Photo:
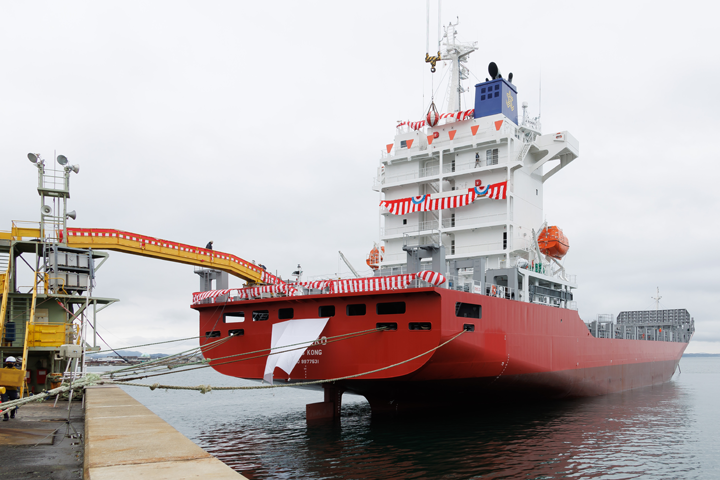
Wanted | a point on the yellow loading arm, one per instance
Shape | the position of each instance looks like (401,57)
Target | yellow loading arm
(18,232)
(117,240)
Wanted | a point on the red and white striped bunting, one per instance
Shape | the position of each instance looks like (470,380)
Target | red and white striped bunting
(256,291)
(249,292)
(200,296)
(457,116)
(370,284)
(425,203)
(271,279)
(316,285)
(498,191)
(433,278)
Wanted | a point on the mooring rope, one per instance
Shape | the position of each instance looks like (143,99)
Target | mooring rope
(206,361)
(86,381)
(162,361)
(95,379)
(208,388)
(146,345)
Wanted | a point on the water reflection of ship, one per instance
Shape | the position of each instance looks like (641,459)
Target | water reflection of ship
(624,433)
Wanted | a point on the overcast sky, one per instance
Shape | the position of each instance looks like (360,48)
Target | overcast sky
(259,125)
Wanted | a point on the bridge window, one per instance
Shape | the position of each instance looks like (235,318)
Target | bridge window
(286,313)
(468,310)
(392,308)
(260,315)
(356,310)
(326,311)
(234,317)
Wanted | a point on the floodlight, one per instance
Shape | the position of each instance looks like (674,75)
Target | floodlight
(33,157)
(72,215)
(62,159)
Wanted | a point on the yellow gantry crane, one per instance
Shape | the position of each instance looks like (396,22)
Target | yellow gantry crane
(136,244)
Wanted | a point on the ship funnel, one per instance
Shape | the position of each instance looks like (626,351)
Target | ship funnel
(494,71)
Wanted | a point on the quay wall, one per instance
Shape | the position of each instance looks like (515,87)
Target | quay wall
(124,439)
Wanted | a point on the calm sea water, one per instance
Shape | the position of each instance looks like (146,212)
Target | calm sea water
(668,431)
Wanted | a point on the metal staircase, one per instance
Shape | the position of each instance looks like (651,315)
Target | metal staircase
(524,152)
(4,291)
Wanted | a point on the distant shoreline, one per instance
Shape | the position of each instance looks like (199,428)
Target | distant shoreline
(701,354)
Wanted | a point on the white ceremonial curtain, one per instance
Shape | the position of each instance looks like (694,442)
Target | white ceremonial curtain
(304,332)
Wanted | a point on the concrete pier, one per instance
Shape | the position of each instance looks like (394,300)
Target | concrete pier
(124,439)
(43,442)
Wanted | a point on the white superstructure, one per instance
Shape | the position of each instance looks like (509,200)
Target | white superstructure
(454,156)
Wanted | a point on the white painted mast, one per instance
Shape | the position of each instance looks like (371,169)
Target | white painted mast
(457,54)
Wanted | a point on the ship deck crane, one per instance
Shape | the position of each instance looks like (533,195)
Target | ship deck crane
(347,262)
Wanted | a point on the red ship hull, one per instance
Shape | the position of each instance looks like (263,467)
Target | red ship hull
(517,349)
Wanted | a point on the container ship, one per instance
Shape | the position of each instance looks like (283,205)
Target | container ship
(469,300)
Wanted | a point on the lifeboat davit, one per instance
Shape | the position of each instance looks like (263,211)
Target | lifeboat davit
(553,242)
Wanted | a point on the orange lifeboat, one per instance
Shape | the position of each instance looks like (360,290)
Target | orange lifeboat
(375,257)
(553,243)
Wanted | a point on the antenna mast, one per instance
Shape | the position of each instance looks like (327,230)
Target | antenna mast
(657,298)
(457,53)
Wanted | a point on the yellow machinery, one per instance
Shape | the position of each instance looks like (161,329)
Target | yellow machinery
(108,239)
(63,271)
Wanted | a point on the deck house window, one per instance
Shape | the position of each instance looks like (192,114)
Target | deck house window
(260,315)
(234,317)
(356,310)
(391,308)
(491,156)
(468,310)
